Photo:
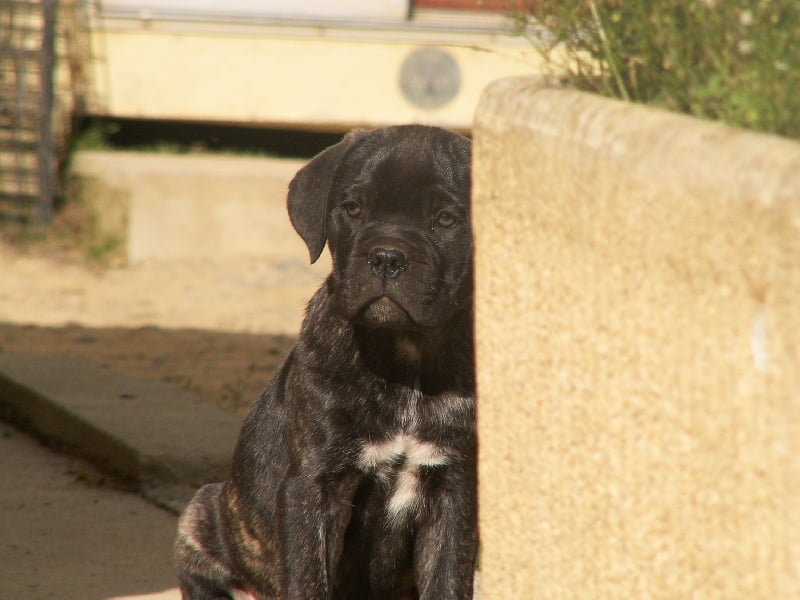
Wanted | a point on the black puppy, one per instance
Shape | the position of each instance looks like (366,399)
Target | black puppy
(354,475)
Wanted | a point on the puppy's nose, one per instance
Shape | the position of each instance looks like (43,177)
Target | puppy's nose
(387,263)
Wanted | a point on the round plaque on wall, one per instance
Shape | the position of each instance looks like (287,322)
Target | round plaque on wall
(429,78)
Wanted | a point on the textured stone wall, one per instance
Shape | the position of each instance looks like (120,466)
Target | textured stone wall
(638,326)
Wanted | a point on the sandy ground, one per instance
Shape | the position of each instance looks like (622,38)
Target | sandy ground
(250,294)
(217,328)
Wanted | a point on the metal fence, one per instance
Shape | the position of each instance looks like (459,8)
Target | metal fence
(28,161)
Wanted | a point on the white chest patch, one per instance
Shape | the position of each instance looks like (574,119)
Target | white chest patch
(404,455)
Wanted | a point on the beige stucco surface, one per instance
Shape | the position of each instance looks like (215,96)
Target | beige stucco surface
(638,327)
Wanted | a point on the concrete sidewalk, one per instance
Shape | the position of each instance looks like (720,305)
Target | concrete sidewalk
(69,534)
(97,519)
(69,529)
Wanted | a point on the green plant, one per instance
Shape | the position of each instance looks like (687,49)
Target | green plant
(736,61)
(103,250)
(95,135)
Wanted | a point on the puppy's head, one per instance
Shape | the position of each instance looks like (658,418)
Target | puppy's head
(393,205)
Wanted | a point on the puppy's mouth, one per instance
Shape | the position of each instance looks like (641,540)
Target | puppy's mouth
(385,312)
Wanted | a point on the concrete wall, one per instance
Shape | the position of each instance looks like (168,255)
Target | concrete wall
(638,325)
(197,206)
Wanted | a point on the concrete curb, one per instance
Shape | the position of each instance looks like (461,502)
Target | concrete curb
(156,437)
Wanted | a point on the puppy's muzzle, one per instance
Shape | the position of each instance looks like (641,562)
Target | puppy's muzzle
(387,263)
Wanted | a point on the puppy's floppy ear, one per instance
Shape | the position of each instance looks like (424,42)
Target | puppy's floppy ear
(309,199)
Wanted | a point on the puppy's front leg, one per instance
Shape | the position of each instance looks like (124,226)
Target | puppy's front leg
(304,540)
(315,520)
(446,546)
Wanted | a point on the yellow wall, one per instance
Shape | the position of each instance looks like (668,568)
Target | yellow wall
(291,76)
(638,327)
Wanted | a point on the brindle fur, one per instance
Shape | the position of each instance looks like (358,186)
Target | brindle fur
(354,475)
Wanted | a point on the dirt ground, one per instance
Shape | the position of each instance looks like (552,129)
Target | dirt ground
(216,328)
(226,369)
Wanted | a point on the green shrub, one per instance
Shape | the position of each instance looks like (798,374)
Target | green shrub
(736,61)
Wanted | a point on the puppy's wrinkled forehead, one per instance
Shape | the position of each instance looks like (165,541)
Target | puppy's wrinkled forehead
(389,166)
(397,172)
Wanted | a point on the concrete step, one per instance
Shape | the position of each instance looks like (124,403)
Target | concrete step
(165,206)
(153,435)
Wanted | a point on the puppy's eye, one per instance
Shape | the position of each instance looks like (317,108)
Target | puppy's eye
(352,208)
(446,219)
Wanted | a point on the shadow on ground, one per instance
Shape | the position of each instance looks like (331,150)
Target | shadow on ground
(228,370)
